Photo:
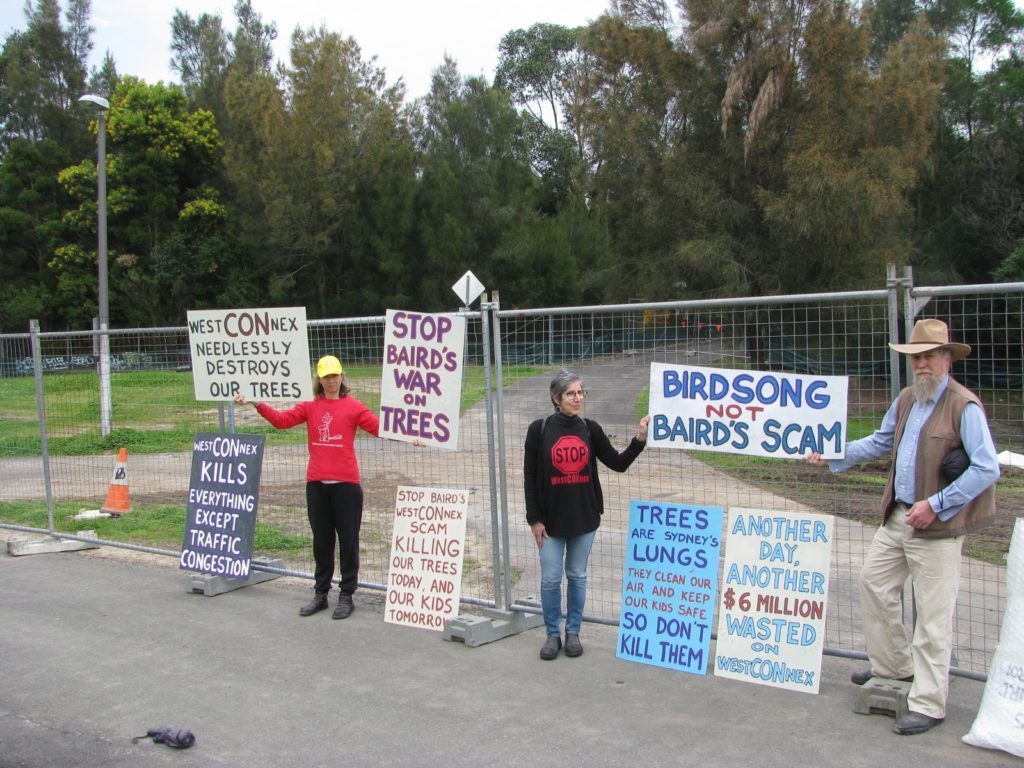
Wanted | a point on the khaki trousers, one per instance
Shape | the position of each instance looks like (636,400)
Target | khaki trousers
(933,566)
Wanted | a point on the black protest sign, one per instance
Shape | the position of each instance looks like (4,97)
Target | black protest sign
(223,496)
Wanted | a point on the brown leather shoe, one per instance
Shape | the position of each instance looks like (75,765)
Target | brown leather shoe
(318,603)
(914,722)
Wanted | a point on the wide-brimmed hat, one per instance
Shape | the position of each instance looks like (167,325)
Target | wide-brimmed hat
(931,334)
(328,365)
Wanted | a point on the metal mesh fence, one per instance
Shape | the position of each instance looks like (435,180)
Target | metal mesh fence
(989,319)
(155,416)
(612,349)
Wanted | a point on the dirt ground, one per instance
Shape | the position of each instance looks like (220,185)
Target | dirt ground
(858,497)
(858,493)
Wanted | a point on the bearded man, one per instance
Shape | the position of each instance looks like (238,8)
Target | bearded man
(933,425)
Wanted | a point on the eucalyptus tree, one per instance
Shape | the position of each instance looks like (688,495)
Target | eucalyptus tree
(42,74)
(328,161)
(540,69)
(161,157)
(200,58)
(481,206)
(824,143)
(42,129)
(971,207)
(252,41)
(641,95)
(31,204)
(104,79)
(854,154)
(535,66)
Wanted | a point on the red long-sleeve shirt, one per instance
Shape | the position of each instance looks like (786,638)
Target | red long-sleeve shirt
(331,433)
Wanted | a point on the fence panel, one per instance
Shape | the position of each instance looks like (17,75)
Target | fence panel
(989,319)
(155,416)
(844,334)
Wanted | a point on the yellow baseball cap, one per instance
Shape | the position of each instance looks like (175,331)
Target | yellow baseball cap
(328,365)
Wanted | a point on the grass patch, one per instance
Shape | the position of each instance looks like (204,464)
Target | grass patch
(270,540)
(156,411)
(159,526)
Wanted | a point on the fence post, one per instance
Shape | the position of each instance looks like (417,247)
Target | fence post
(502,468)
(500,621)
(106,405)
(486,309)
(892,284)
(551,340)
(910,310)
(37,370)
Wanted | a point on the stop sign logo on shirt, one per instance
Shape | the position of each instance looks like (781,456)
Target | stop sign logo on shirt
(569,454)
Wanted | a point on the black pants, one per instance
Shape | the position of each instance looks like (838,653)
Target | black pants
(335,512)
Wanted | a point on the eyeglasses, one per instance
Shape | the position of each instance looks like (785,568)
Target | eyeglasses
(576,395)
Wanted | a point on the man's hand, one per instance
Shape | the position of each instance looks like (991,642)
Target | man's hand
(815,460)
(921,515)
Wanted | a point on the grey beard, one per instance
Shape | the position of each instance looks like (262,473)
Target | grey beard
(924,387)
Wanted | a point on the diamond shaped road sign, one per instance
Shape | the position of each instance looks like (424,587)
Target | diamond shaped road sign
(468,288)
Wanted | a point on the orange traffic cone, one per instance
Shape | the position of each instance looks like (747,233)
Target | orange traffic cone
(117,493)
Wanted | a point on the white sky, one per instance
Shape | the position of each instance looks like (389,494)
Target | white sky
(408,37)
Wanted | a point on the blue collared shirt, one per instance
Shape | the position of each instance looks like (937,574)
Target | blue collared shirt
(974,434)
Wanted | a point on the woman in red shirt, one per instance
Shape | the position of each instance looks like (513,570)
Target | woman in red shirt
(334,497)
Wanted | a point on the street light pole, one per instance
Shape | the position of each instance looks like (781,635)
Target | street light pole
(101,226)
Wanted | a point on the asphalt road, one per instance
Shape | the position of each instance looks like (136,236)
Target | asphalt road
(97,647)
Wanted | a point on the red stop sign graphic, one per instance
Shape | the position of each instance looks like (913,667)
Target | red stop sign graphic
(569,454)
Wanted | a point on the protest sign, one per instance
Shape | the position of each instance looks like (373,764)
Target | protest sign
(425,576)
(771,625)
(223,496)
(421,380)
(261,353)
(755,413)
(669,586)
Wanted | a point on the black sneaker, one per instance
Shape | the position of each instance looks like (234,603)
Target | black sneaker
(551,647)
(344,608)
(318,603)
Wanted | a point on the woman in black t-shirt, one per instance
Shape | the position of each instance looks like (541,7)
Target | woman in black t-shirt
(564,502)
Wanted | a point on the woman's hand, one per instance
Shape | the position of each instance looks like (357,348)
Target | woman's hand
(641,430)
(539,533)
(239,399)
(814,459)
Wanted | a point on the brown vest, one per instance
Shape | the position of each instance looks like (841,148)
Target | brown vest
(940,434)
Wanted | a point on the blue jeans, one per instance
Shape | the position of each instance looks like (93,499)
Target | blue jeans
(575,551)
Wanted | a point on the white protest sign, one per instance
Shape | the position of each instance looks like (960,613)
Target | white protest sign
(784,415)
(425,576)
(771,624)
(262,353)
(421,379)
